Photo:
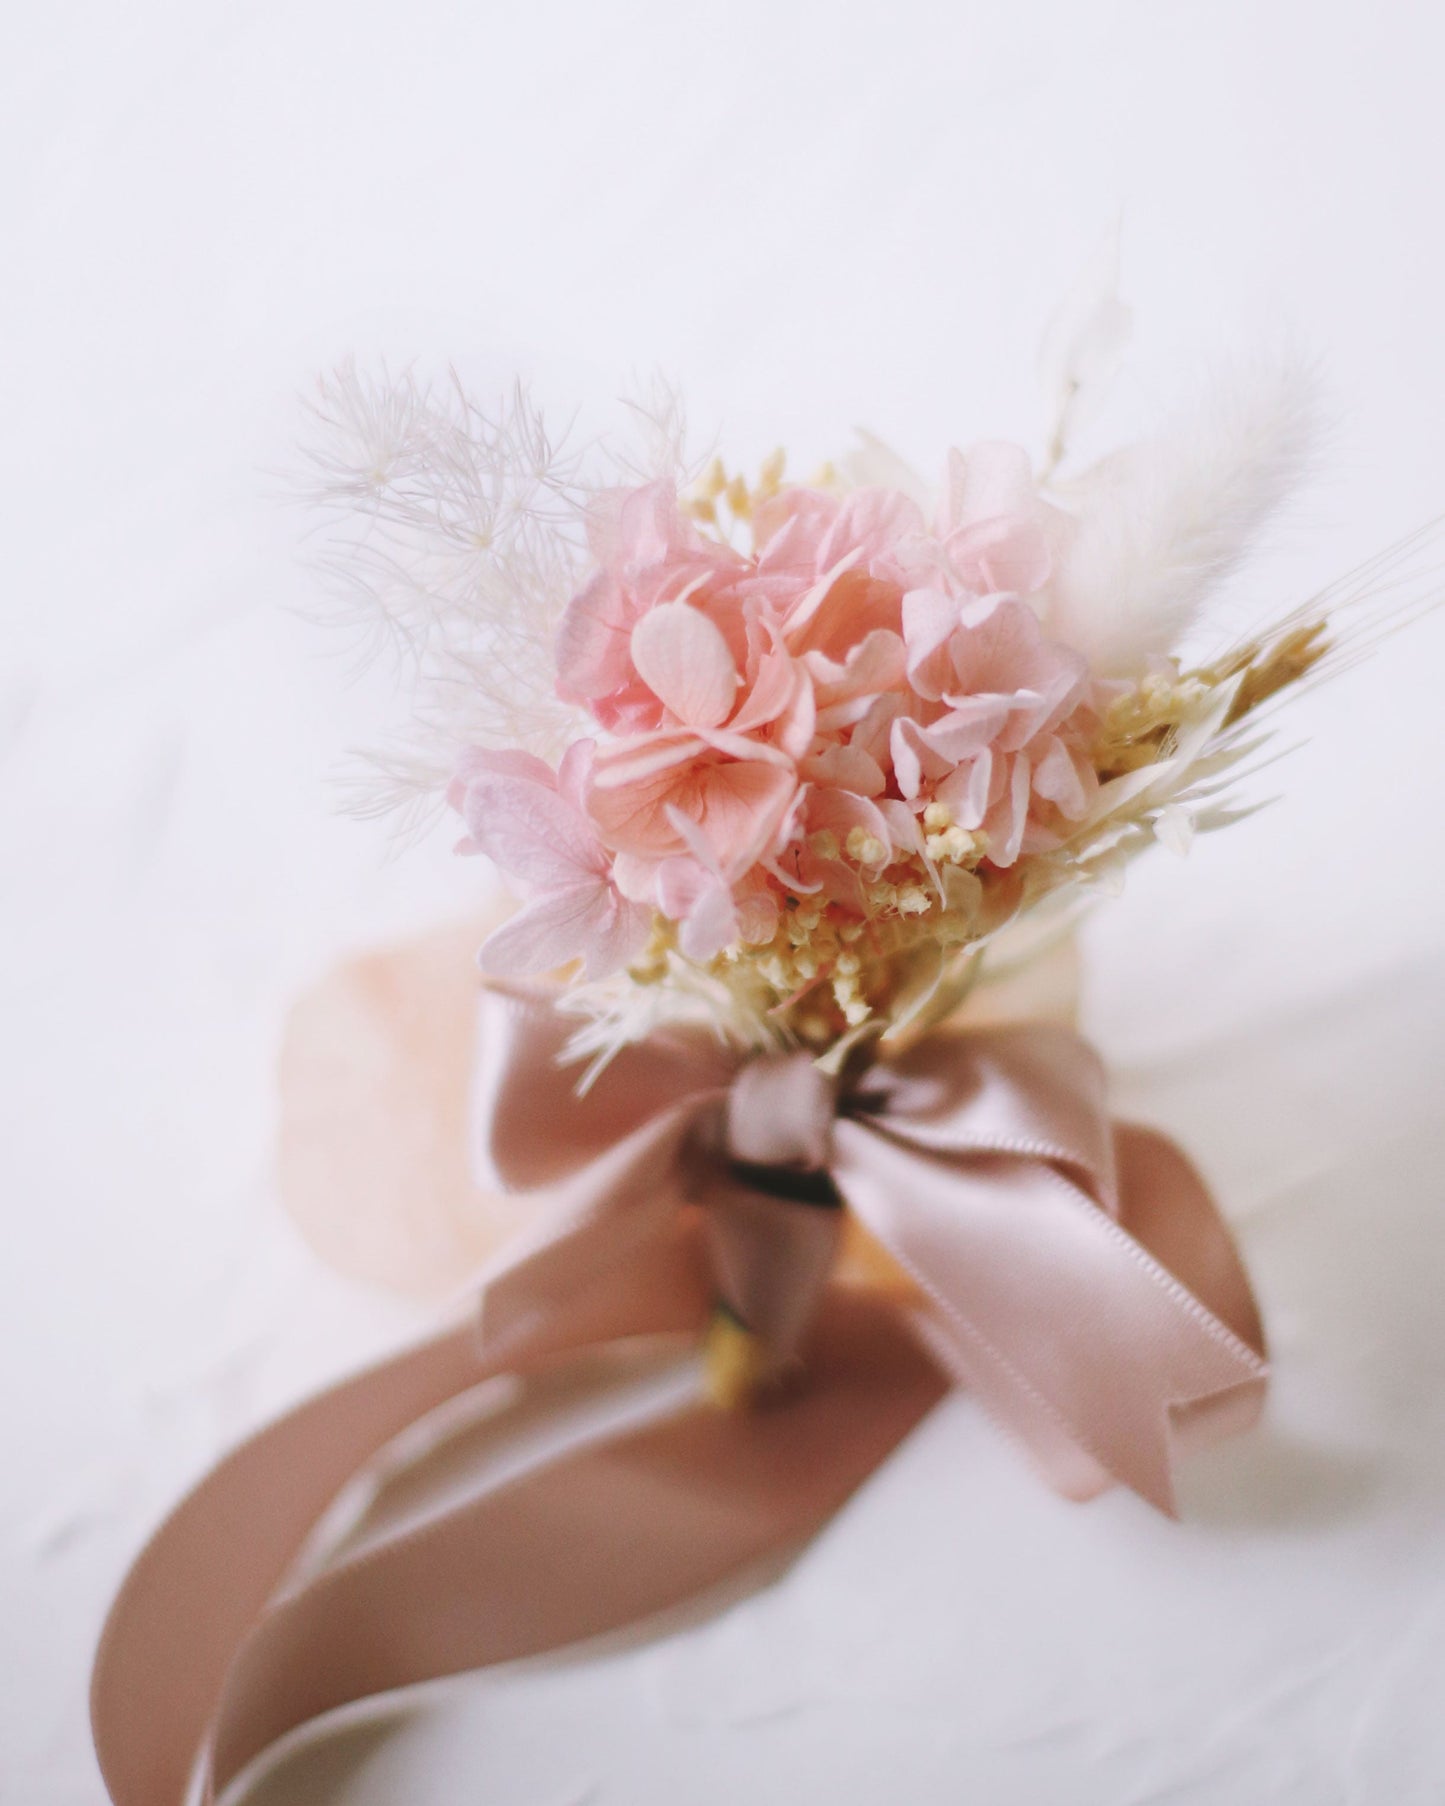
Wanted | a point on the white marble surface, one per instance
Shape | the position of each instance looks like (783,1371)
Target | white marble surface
(812,217)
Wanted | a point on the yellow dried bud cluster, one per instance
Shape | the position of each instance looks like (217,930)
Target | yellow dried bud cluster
(832,968)
(651,965)
(1137,725)
(742,498)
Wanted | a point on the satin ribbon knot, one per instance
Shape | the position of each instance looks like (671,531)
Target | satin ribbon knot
(1072,1272)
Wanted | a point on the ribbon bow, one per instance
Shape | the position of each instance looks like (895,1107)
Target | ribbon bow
(1074,1273)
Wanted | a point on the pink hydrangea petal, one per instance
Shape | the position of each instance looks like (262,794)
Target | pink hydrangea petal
(845,768)
(1007,819)
(772,690)
(638,525)
(506,762)
(968,790)
(695,892)
(578,922)
(617,934)
(641,761)
(872,732)
(834,880)
(789,528)
(843,810)
(991,479)
(679,884)
(970,725)
(592,651)
(710,924)
(531,833)
(878,662)
(870,521)
(914,756)
(684,660)
(574,774)
(1010,555)
(757,917)
(739,805)
(801,615)
(930,618)
(1003,651)
(1061,779)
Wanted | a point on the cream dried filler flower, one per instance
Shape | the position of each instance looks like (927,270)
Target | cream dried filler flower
(788,756)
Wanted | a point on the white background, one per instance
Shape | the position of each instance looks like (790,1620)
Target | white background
(812,216)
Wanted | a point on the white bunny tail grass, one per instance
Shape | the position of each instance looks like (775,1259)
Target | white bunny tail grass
(1163,523)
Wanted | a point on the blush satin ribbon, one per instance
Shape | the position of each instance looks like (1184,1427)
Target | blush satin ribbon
(1074,1273)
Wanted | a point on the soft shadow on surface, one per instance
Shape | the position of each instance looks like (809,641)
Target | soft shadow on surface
(327,1761)
(1267,1480)
(315,1767)
(1325,1124)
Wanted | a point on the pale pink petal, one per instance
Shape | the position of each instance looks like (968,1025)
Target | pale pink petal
(838,717)
(711,923)
(592,642)
(789,528)
(875,664)
(970,725)
(505,762)
(871,521)
(930,618)
(679,884)
(843,810)
(739,805)
(635,876)
(913,757)
(531,833)
(992,521)
(845,768)
(901,824)
(587,922)
(1004,554)
(800,616)
(969,790)
(771,692)
(757,917)
(641,760)
(574,773)
(684,660)
(991,479)
(1008,818)
(548,932)
(1064,780)
(872,731)
(797,724)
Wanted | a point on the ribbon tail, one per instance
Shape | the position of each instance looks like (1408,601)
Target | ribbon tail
(1073,1333)
(200,1582)
(207,1573)
(604,1536)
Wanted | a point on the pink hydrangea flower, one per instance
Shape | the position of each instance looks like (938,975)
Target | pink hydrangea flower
(777,722)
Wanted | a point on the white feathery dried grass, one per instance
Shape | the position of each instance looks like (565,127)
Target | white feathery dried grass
(1158,527)
(451,540)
